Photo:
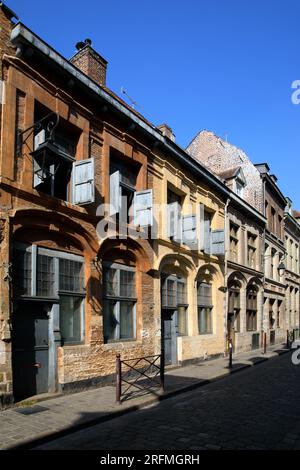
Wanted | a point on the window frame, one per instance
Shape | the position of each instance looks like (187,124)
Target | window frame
(118,299)
(207,307)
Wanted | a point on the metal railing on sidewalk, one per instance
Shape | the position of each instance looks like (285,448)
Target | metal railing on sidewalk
(143,374)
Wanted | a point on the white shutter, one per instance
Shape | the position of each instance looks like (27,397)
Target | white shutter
(143,208)
(189,231)
(83,181)
(218,242)
(201,229)
(174,221)
(114,193)
(39,138)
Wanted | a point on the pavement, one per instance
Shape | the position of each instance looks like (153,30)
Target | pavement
(36,422)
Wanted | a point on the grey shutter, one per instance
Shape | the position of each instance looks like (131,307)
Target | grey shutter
(218,242)
(202,228)
(39,138)
(207,233)
(83,181)
(143,208)
(115,193)
(174,221)
(189,230)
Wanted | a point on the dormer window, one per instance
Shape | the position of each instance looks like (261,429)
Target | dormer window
(239,188)
(239,183)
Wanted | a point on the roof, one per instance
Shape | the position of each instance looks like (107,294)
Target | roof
(228,174)
(296,214)
(8,11)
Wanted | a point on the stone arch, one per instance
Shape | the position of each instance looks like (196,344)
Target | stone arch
(128,250)
(237,278)
(34,225)
(178,264)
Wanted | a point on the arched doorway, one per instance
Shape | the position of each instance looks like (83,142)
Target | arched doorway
(234,311)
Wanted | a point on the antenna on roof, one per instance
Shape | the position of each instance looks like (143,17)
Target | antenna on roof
(133,103)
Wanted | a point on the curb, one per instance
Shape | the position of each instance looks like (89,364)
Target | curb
(116,414)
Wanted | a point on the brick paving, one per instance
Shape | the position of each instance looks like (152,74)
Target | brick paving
(256,409)
(65,413)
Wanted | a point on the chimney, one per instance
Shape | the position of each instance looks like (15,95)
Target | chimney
(90,62)
(167,131)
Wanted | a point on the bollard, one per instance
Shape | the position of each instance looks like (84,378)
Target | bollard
(119,379)
(162,370)
(294,335)
(230,353)
(287,339)
(265,342)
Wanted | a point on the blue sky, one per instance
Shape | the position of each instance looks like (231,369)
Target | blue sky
(222,65)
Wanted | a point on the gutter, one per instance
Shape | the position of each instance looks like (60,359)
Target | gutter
(21,32)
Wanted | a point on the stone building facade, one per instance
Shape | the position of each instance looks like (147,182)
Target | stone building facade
(292,271)
(245,225)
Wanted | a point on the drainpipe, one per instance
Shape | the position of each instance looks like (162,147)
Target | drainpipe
(263,258)
(226,269)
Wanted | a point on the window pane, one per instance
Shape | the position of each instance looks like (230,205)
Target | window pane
(204,294)
(70,275)
(45,276)
(205,320)
(126,320)
(181,320)
(22,272)
(110,320)
(181,293)
(127,284)
(70,319)
(111,282)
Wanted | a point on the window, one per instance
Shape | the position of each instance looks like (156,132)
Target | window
(174,297)
(279,308)
(56,275)
(296,269)
(205,307)
(239,188)
(273,220)
(273,264)
(291,260)
(234,305)
(234,242)
(251,250)
(251,309)
(271,313)
(119,303)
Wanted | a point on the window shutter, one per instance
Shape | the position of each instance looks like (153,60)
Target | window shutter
(218,242)
(115,193)
(202,228)
(207,233)
(39,138)
(143,208)
(174,221)
(189,231)
(83,181)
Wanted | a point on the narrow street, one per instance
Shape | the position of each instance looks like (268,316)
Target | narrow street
(255,409)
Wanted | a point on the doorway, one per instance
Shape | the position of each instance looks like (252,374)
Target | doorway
(169,336)
(30,350)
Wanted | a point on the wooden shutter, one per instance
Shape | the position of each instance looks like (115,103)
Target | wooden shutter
(189,231)
(143,208)
(83,181)
(115,193)
(218,242)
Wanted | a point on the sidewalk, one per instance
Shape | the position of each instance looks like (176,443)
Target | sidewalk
(23,427)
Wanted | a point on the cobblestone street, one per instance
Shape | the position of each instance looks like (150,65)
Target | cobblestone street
(255,409)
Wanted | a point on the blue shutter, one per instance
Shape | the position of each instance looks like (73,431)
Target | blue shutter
(143,208)
(83,181)
(201,228)
(189,231)
(115,193)
(218,242)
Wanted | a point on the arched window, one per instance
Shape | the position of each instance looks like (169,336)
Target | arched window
(205,306)
(119,302)
(251,309)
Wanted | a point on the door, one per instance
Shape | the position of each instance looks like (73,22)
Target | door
(30,350)
(169,336)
